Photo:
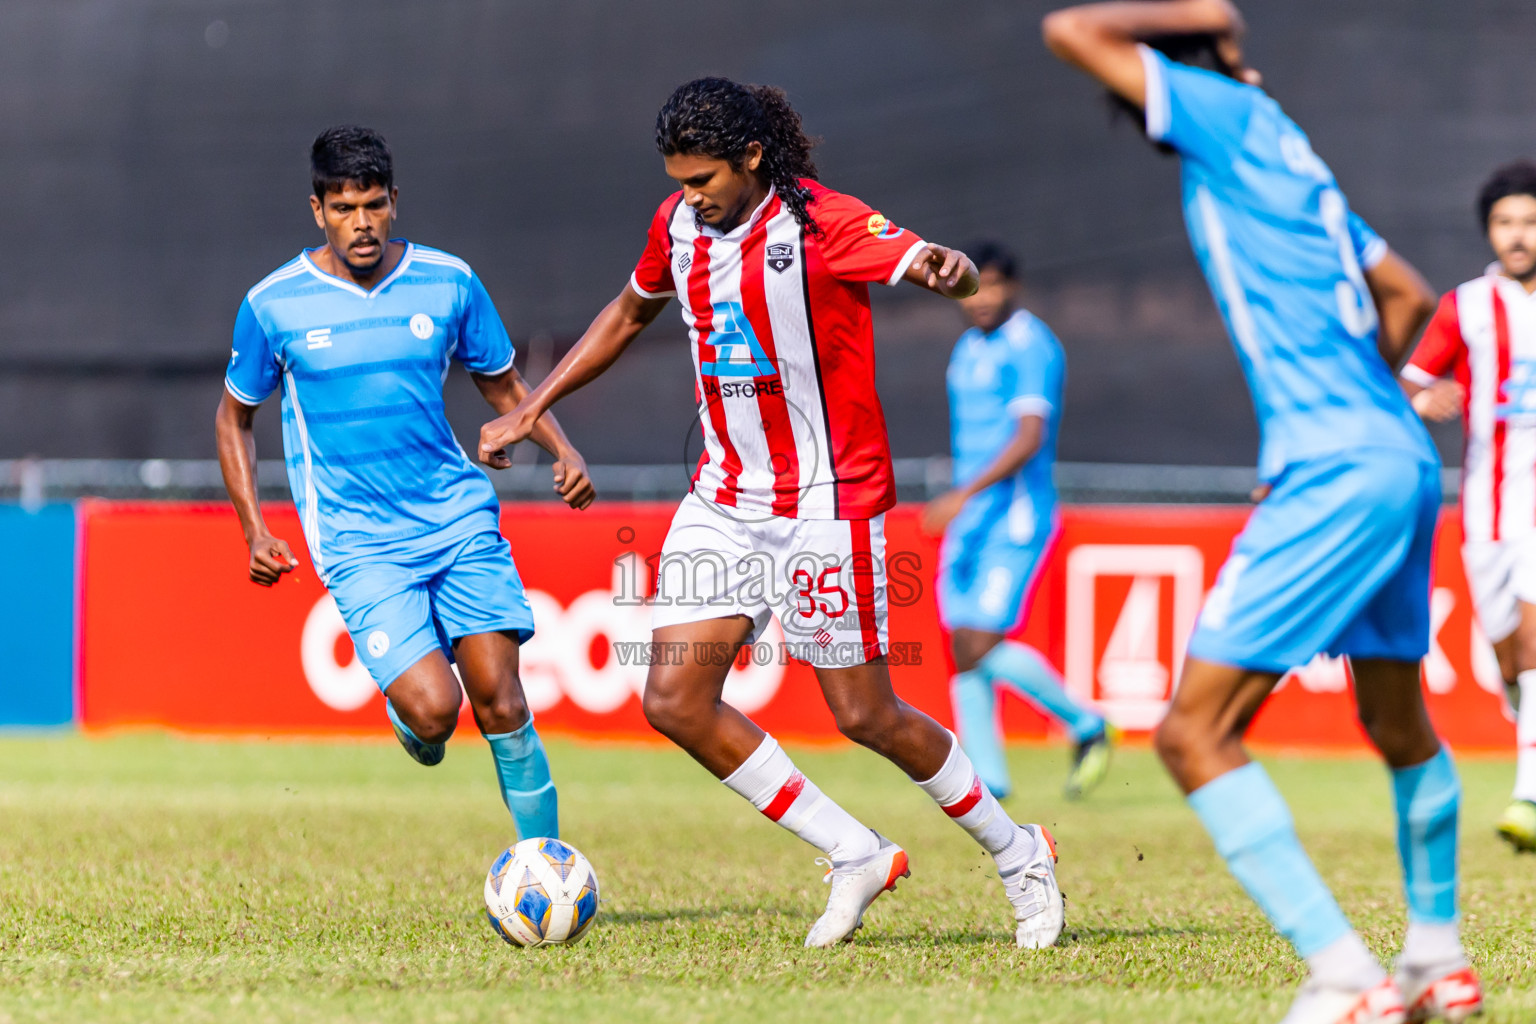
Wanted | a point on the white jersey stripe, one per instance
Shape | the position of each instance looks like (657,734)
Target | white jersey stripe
(1474,307)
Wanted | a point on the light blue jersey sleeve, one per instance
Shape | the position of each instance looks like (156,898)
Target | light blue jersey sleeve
(484,346)
(1370,248)
(1032,393)
(253,372)
(1200,113)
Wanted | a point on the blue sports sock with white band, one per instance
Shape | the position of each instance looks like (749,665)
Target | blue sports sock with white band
(522,769)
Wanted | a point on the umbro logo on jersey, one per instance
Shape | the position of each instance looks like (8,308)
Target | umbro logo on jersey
(320,337)
(684,262)
(781,256)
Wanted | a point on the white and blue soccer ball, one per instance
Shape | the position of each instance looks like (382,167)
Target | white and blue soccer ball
(541,892)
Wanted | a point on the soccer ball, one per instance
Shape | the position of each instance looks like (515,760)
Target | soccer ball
(541,892)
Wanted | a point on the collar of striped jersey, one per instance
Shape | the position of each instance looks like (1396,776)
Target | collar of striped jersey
(405,259)
(1495,270)
(740,230)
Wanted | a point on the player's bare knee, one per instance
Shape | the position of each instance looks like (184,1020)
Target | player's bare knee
(432,720)
(867,725)
(669,713)
(506,711)
(1176,741)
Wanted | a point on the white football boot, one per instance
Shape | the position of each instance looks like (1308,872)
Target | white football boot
(1316,1004)
(1449,992)
(1039,910)
(854,887)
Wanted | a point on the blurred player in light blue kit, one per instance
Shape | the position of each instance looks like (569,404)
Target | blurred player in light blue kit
(1000,523)
(402,528)
(1336,558)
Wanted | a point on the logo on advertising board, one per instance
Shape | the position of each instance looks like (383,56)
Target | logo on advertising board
(1130,610)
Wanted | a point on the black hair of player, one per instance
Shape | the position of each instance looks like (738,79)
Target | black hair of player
(998,257)
(1513,179)
(350,154)
(1198,50)
(718,118)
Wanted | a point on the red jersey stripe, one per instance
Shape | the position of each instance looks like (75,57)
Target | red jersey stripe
(1501,339)
(771,403)
(864,587)
(703,323)
(784,797)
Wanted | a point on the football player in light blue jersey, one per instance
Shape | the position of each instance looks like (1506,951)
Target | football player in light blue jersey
(402,528)
(1000,522)
(1336,559)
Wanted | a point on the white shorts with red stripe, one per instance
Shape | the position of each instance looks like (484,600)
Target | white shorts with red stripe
(824,579)
(1501,575)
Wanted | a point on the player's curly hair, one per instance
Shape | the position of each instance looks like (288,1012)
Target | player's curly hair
(718,118)
(1513,179)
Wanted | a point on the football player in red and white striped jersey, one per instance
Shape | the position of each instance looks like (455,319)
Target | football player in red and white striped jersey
(786,515)
(1478,360)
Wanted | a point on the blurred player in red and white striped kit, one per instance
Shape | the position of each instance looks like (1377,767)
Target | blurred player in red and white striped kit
(1477,360)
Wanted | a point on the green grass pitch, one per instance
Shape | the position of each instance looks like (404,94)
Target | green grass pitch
(144,878)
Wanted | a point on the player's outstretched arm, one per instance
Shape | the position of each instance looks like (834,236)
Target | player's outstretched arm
(1019,450)
(943,271)
(1404,303)
(270,557)
(1101,38)
(620,323)
(503,391)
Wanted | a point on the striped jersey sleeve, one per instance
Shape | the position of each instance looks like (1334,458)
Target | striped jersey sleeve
(1441,347)
(652,277)
(858,243)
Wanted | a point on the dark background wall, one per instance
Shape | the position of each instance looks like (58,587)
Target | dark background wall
(152,164)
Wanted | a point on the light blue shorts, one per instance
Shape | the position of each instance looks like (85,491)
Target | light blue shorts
(1336,560)
(400,611)
(986,578)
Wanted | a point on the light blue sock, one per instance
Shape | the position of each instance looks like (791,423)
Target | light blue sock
(1428,798)
(1024,671)
(1253,831)
(522,768)
(976,720)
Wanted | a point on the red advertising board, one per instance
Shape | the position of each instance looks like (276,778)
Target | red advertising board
(174,634)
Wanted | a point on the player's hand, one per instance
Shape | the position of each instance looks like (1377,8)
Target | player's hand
(1441,401)
(1229,43)
(270,558)
(938,513)
(949,272)
(571,480)
(503,431)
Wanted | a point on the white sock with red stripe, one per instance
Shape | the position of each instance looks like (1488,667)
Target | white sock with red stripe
(771,782)
(1525,736)
(959,791)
